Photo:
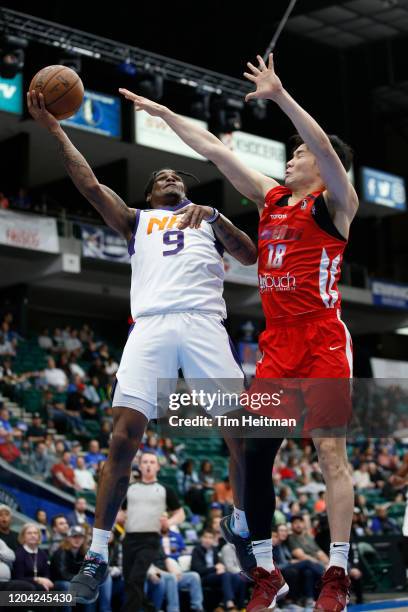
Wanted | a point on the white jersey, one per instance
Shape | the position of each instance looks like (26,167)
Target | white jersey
(174,270)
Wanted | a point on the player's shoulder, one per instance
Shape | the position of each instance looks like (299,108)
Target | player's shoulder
(275,193)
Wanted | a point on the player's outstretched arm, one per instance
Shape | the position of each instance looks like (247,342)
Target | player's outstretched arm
(250,183)
(269,87)
(112,208)
(236,242)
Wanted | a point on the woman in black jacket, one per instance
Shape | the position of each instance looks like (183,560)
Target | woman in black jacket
(31,563)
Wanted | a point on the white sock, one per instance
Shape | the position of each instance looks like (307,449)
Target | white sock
(263,554)
(239,523)
(100,539)
(339,552)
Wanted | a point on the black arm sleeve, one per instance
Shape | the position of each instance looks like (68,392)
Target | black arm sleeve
(172,501)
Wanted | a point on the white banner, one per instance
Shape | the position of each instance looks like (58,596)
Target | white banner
(154,132)
(236,272)
(29,232)
(262,154)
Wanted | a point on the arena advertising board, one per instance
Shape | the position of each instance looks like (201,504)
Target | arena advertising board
(29,232)
(393,295)
(103,243)
(99,113)
(383,188)
(11,99)
(155,133)
(262,154)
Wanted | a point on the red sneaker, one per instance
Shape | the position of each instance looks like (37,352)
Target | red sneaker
(269,587)
(335,593)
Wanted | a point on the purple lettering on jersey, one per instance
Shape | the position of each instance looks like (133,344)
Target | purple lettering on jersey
(173,238)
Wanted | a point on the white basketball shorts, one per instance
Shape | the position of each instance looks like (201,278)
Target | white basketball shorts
(159,345)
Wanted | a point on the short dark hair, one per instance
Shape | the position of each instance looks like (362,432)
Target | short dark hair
(343,150)
(56,517)
(207,530)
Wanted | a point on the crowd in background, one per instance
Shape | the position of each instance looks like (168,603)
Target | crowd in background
(66,442)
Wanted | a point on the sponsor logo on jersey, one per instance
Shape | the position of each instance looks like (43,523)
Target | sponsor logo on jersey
(313,209)
(303,205)
(278,216)
(281,232)
(268,282)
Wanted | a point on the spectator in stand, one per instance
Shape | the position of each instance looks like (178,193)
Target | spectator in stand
(55,377)
(42,519)
(22,200)
(359,525)
(45,341)
(83,476)
(85,334)
(6,534)
(76,452)
(31,562)
(377,476)
(7,558)
(78,515)
(223,494)
(169,451)
(11,382)
(91,353)
(58,340)
(205,561)
(36,432)
(72,342)
(166,579)
(59,530)
(190,487)
(104,353)
(74,367)
(63,474)
(111,366)
(6,427)
(381,523)
(320,503)
(206,475)
(361,477)
(41,462)
(97,369)
(9,451)
(94,455)
(92,391)
(4,202)
(105,433)
(7,348)
(302,545)
(172,541)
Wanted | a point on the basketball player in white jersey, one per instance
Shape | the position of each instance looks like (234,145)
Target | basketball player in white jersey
(177,309)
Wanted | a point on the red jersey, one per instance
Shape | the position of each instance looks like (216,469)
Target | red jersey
(300,255)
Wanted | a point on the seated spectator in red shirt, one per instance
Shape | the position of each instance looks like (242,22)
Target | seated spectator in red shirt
(4,203)
(9,451)
(63,475)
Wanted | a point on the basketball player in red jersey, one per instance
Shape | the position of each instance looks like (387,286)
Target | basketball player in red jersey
(304,228)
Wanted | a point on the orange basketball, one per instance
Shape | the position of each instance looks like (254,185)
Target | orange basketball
(62,88)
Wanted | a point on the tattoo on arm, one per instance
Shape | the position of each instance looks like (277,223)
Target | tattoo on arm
(76,165)
(236,242)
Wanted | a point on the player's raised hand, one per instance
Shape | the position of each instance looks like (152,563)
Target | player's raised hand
(267,82)
(140,103)
(36,108)
(192,215)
